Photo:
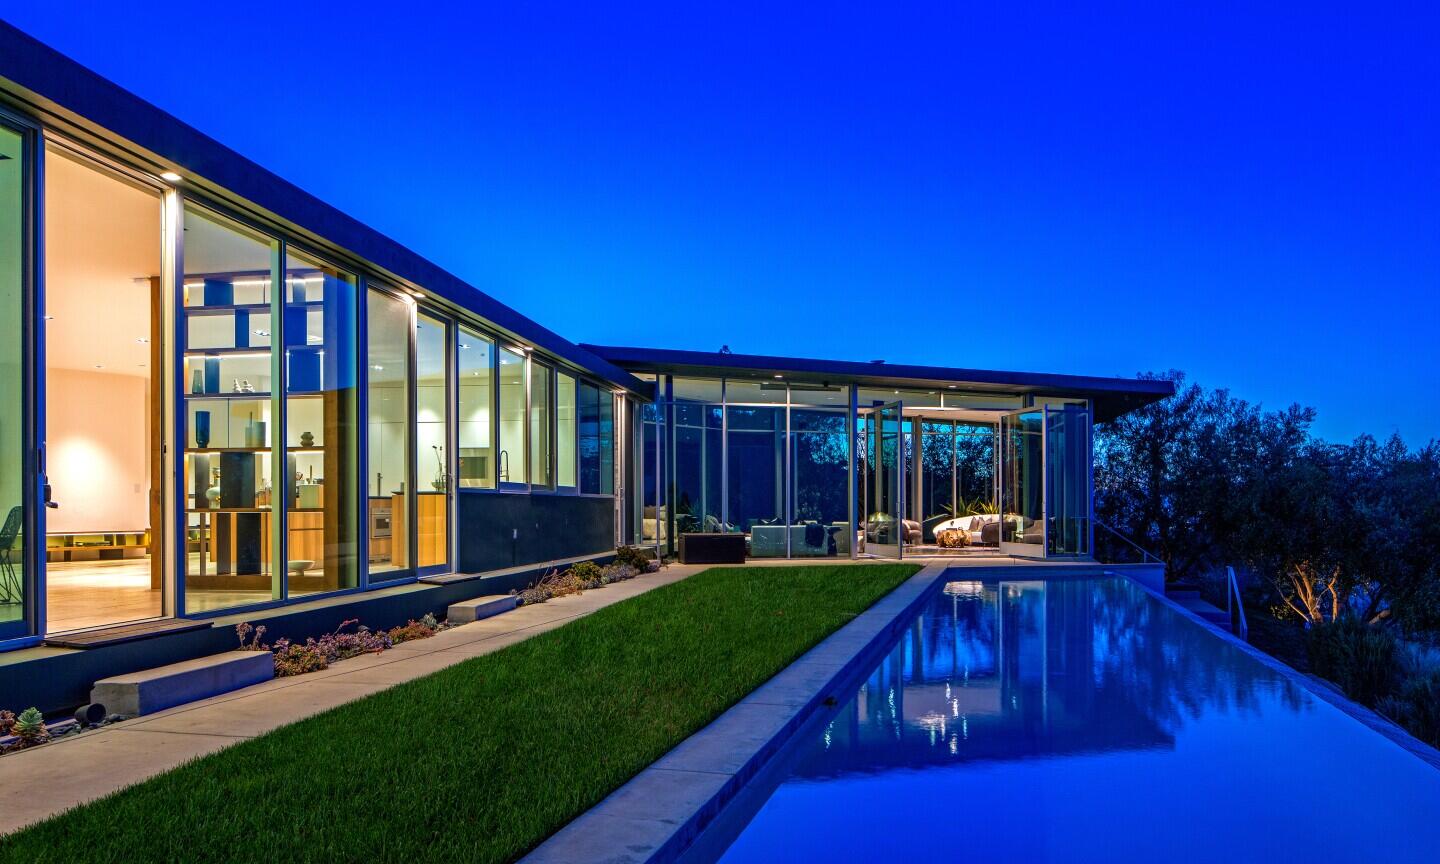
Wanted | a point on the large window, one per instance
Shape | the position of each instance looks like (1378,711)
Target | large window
(432,441)
(477,449)
(937,476)
(597,441)
(565,401)
(511,461)
(540,470)
(698,460)
(12,401)
(322,515)
(1022,503)
(387,477)
(819,465)
(230,486)
(756,476)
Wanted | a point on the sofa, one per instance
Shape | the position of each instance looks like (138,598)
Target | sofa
(880,528)
(975,527)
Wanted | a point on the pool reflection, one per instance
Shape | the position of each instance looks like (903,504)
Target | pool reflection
(1079,720)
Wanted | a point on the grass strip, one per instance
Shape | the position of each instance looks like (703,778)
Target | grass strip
(483,760)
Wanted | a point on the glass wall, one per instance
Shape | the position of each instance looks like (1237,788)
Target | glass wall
(477,374)
(540,448)
(697,462)
(975,466)
(755,443)
(565,441)
(13,580)
(1067,470)
(597,440)
(1022,488)
(511,432)
(432,441)
(820,467)
(229,479)
(387,477)
(937,475)
(321,428)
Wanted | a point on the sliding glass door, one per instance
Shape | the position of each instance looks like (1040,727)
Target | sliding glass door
(15,594)
(886,526)
(1022,486)
(1067,479)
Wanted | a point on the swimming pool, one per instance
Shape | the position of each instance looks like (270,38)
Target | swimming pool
(1075,721)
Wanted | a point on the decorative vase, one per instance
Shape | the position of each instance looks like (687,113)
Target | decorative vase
(212,495)
(307,439)
(197,381)
(202,429)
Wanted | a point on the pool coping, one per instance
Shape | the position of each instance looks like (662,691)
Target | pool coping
(659,812)
(1317,687)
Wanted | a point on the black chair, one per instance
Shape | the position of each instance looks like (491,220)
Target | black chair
(10,585)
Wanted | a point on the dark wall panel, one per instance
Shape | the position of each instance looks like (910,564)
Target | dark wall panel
(497,531)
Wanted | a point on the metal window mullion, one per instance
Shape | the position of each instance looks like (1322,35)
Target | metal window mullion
(412,437)
(788,492)
(724,459)
(280,478)
(362,422)
(452,443)
(851,434)
(176,514)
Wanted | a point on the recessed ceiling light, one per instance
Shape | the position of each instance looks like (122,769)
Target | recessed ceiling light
(779,376)
(49,317)
(143,341)
(170,176)
(99,366)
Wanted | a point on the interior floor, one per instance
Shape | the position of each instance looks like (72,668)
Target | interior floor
(84,594)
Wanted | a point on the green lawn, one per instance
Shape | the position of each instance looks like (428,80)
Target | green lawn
(482,761)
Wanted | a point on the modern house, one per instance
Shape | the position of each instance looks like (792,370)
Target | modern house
(222,399)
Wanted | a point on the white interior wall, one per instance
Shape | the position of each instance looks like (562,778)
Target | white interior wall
(98,461)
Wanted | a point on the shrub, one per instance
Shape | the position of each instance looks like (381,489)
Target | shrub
(298,659)
(411,630)
(632,556)
(618,573)
(7,722)
(249,637)
(588,573)
(1359,658)
(1416,706)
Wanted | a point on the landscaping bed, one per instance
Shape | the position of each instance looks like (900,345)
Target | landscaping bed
(483,760)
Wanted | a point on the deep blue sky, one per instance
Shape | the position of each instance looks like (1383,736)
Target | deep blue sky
(1251,195)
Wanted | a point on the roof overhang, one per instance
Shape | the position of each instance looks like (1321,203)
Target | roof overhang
(1111,397)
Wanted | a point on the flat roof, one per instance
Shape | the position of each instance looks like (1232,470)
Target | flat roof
(1111,396)
(84,105)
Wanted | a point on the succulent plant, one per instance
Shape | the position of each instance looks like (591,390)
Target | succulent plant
(30,726)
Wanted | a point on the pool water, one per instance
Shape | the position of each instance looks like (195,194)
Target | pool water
(1078,721)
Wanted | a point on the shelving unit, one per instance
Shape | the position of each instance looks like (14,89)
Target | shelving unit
(233,429)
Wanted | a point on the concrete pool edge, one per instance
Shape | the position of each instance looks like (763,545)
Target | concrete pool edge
(1317,687)
(661,810)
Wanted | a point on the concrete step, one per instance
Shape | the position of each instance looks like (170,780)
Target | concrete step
(481,607)
(1179,594)
(164,687)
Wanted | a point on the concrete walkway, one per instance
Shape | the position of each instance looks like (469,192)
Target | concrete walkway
(38,783)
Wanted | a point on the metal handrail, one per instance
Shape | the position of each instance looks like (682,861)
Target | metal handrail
(1147,555)
(1235,606)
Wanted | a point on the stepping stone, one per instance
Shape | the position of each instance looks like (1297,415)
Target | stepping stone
(481,607)
(164,687)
